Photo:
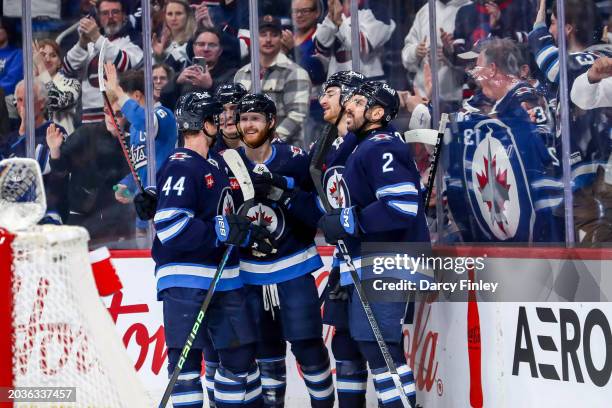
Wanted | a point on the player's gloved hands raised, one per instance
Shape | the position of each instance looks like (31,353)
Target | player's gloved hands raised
(270,185)
(339,223)
(146,203)
(235,229)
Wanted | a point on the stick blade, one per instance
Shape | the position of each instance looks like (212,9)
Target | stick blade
(237,166)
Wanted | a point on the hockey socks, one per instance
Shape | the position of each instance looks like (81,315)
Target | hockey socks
(388,394)
(273,381)
(232,390)
(211,369)
(187,392)
(351,383)
(318,380)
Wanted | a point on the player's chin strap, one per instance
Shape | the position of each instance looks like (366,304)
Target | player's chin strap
(270,298)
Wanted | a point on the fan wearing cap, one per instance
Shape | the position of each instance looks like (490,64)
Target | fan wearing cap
(194,222)
(284,295)
(284,81)
(383,204)
(228,95)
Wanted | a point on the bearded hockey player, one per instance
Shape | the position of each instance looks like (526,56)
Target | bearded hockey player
(193,190)
(228,95)
(384,204)
(282,292)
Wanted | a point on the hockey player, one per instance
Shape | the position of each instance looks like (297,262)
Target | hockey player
(351,370)
(384,203)
(228,95)
(282,292)
(192,225)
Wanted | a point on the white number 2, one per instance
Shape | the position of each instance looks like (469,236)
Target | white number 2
(389,158)
(178,186)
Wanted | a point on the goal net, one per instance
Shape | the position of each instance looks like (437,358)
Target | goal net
(56,331)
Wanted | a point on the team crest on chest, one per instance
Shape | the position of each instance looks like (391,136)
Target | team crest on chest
(335,188)
(271,218)
(226,202)
(495,196)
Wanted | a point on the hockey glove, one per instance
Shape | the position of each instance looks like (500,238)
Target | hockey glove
(271,185)
(339,223)
(234,229)
(146,203)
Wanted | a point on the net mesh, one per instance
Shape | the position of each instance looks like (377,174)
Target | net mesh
(55,340)
(22,195)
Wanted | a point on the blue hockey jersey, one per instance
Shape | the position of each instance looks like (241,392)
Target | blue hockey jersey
(192,190)
(165,138)
(590,135)
(384,185)
(307,205)
(296,251)
(500,179)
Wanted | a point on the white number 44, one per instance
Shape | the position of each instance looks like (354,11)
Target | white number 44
(178,186)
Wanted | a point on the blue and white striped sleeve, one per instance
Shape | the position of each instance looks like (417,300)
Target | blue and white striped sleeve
(545,51)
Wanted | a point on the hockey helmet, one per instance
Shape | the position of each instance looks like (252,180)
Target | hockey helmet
(379,93)
(260,103)
(347,81)
(230,93)
(194,108)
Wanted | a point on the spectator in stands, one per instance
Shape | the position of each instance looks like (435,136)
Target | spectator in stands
(513,195)
(589,130)
(593,89)
(333,39)
(83,59)
(416,51)
(15,146)
(162,74)
(489,18)
(128,93)
(63,92)
(11,62)
(93,158)
(193,76)
(179,26)
(305,14)
(283,80)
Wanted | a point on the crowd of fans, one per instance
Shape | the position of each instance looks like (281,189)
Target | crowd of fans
(498,76)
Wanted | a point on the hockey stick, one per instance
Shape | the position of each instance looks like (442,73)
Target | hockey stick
(236,165)
(315,173)
(430,137)
(124,148)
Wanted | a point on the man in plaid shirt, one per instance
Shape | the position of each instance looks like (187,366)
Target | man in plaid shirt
(282,80)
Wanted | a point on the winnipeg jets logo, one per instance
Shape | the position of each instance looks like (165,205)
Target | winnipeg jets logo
(495,191)
(493,186)
(214,162)
(273,219)
(380,137)
(226,203)
(296,151)
(335,188)
(180,156)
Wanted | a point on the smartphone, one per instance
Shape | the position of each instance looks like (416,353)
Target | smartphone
(201,62)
